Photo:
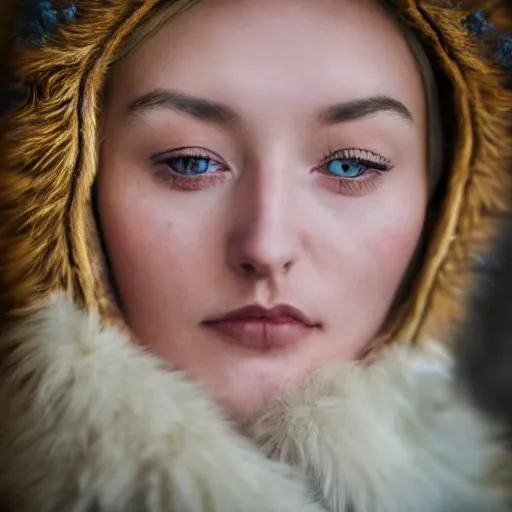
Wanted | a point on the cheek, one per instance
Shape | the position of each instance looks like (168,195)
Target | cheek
(366,254)
(160,252)
(388,229)
(389,241)
(376,241)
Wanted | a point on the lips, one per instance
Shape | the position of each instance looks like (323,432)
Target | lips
(260,328)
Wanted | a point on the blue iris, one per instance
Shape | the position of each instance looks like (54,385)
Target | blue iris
(192,166)
(345,168)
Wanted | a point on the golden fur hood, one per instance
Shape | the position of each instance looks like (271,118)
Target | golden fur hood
(91,422)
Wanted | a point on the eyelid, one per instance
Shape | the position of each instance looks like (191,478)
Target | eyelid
(185,183)
(352,187)
(365,183)
(191,151)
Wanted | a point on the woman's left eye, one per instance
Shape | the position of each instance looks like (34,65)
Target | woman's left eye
(345,168)
(192,166)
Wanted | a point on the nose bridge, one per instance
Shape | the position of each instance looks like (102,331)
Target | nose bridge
(264,239)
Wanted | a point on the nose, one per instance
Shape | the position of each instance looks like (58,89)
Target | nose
(264,241)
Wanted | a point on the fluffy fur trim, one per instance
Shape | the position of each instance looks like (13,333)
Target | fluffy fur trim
(92,422)
(394,437)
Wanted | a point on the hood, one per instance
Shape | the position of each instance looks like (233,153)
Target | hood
(49,152)
(67,363)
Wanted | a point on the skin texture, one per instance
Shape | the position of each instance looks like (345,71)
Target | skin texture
(269,225)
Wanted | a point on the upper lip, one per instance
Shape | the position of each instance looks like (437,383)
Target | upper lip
(279,312)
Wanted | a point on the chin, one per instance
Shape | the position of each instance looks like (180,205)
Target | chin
(245,389)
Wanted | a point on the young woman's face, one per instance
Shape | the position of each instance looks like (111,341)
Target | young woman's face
(268,155)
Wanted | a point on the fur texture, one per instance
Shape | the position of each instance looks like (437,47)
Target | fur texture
(484,347)
(111,430)
(395,437)
(48,156)
(89,422)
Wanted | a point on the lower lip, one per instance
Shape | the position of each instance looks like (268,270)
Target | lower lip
(262,333)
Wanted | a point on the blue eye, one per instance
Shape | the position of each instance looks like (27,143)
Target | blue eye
(345,168)
(192,166)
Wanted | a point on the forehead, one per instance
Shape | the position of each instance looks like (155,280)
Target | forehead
(295,52)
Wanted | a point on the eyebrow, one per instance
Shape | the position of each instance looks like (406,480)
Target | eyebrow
(199,108)
(358,109)
(219,113)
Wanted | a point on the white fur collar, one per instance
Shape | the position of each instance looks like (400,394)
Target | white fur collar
(91,422)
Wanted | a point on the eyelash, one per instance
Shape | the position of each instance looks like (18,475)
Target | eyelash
(364,182)
(182,182)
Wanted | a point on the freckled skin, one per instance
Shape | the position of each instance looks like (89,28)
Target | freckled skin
(271,227)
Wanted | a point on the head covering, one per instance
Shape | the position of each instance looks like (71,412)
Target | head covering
(97,420)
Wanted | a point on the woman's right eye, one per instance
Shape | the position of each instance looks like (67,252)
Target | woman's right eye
(192,165)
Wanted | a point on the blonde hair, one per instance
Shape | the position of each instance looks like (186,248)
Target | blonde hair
(162,14)
(167,11)
(435,137)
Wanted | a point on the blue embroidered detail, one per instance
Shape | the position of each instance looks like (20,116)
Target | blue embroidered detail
(477,25)
(69,13)
(504,51)
(39,18)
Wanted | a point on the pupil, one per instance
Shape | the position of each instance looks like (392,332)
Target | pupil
(196,165)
